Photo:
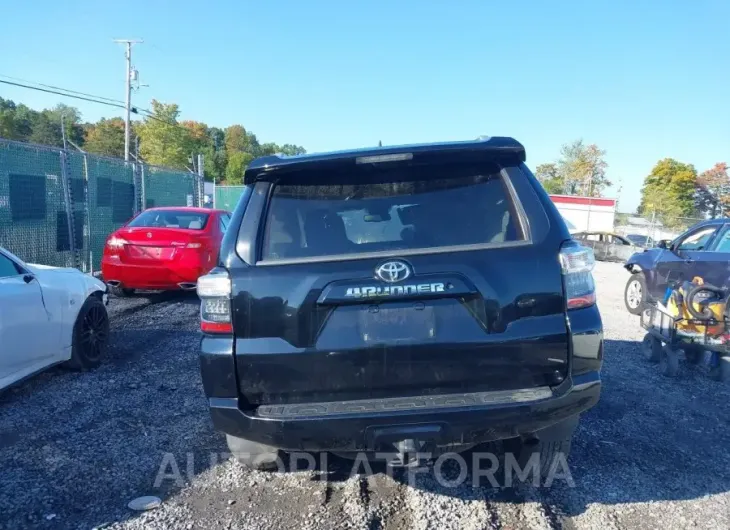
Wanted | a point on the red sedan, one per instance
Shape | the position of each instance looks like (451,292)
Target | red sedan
(163,249)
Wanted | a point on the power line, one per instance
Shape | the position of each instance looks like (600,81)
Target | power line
(64,89)
(62,94)
(135,110)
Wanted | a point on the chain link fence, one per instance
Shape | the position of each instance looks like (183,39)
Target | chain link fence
(58,207)
(226,197)
(652,226)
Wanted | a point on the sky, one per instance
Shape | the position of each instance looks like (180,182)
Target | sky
(643,80)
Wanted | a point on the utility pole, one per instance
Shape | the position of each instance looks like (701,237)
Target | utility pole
(201,181)
(128,56)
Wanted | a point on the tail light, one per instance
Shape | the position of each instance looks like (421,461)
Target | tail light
(115,245)
(115,242)
(214,290)
(577,263)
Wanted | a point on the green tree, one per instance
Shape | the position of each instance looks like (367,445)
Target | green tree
(162,140)
(106,137)
(548,176)
(713,191)
(292,150)
(237,163)
(9,125)
(235,138)
(215,155)
(669,192)
(583,169)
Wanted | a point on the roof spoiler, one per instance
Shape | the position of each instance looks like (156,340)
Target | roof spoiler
(268,167)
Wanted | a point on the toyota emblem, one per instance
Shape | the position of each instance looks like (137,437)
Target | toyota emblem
(393,271)
(149,235)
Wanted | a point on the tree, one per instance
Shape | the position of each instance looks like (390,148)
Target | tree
(237,163)
(235,138)
(548,176)
(713,190)
(9,126)
(163,141)
(583,169)
(669,192)
(106,137)
(267,149)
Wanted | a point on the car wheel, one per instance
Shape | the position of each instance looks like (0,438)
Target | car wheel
(651,348)
(253,455)
(694,354)
(721,372)
(90,335)
(635,293)
(669,362)
(552,446)
(121,292)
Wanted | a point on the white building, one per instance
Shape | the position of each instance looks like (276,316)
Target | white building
(586,213)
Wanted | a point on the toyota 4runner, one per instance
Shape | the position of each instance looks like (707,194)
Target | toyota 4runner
(421,297)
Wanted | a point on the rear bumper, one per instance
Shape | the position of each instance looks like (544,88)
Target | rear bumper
(447,419)
(315,428)
(148,276)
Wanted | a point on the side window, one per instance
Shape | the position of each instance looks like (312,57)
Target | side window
(8,267)
(722,242)
(697,240)
(225,219)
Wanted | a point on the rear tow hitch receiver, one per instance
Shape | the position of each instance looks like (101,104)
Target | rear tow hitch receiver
(410,453)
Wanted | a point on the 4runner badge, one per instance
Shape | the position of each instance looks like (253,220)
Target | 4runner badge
(393,271)
(394,290)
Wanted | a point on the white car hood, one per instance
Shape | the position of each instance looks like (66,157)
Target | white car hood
(43,270)
(48,274)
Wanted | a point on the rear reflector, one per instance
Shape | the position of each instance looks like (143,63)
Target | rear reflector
(577,263)
(216,327)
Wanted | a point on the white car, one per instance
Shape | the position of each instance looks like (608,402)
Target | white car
(48,315)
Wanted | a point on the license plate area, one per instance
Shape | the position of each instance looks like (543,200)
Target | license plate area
(397,322)
(148,252)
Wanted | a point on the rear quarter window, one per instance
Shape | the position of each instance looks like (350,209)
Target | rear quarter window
(459,207)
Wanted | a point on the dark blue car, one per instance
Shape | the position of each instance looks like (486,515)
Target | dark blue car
(703,250)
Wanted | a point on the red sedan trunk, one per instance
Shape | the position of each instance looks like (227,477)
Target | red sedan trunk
(164,249)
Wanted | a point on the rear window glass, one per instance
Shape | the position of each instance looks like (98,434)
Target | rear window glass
(388,215)
(170,219)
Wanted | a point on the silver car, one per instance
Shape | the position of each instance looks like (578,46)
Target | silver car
(608,246)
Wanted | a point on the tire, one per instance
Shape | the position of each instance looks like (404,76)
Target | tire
(635,293)
(121,292)
(651,348)
(669,362)
(722,371)
(693,354)
(552,446)
(253,455)
(550,452)
(90,335)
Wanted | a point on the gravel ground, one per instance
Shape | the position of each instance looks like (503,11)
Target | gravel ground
(76,448)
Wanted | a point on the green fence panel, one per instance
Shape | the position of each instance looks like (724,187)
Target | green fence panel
(111,194)
(226,197)
(44,222)
(166,187)
(33,220)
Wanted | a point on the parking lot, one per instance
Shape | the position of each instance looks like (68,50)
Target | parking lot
(75,448)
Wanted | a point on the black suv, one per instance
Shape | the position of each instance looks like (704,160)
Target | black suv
(382,300)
